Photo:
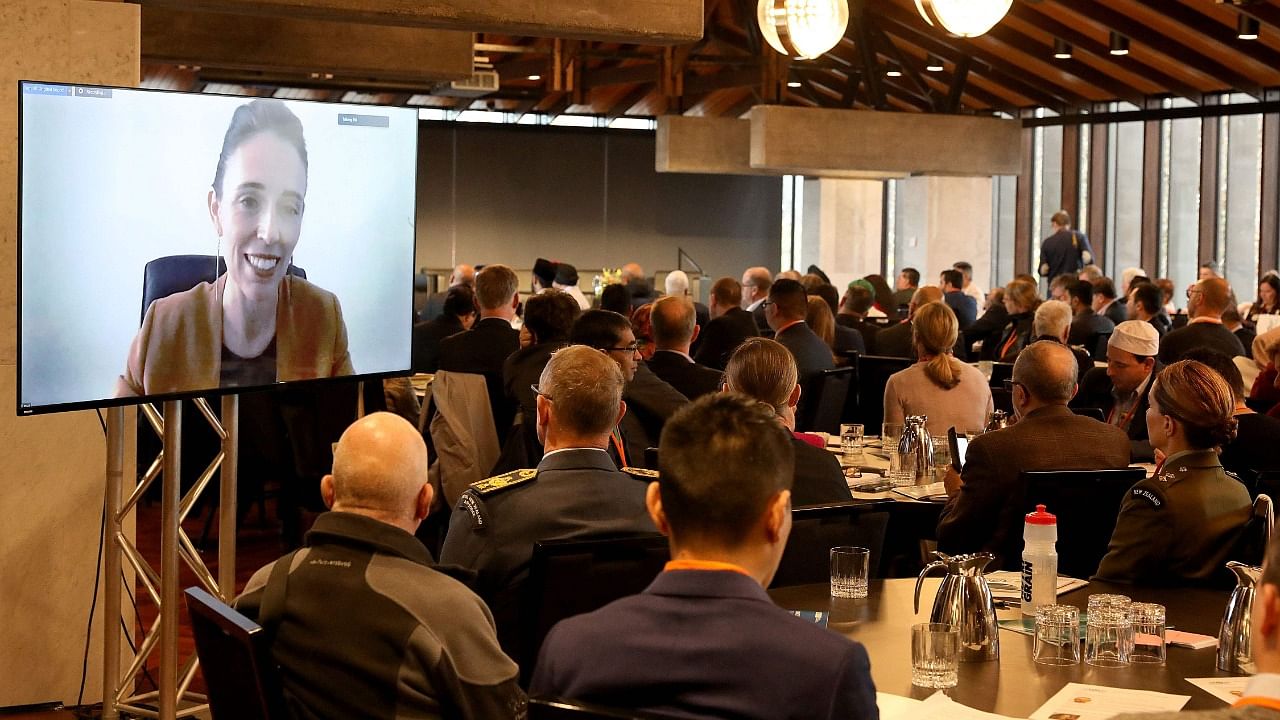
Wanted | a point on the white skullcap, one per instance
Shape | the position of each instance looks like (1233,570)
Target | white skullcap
(1136,336)
(677,282)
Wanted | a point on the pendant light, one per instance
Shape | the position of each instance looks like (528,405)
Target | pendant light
(964,18)
(803,29)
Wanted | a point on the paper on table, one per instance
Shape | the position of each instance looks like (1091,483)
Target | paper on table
(896,707)
(1077,701)
(1007,584)
(940,707)
(916,492)
(1226,689)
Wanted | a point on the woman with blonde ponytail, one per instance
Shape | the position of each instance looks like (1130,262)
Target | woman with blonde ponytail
(947,391)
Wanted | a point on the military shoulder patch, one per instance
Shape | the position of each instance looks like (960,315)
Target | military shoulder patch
(641,473)
(498,483)
(1150,496)
(469,503)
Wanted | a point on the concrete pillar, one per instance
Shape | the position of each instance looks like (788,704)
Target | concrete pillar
(843,228)
(940,220)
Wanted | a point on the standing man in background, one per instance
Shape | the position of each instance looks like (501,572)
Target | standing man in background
(1066,251)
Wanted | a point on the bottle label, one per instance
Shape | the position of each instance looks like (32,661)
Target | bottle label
(1027,568)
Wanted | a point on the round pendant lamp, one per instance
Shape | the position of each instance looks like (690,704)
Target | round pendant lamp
(802,29)
(964,18)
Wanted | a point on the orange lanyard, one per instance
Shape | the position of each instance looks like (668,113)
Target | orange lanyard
(703,565)
(618,445)
(1124,421)
(1008,343)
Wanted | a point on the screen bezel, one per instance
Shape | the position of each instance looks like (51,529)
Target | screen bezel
(27,410)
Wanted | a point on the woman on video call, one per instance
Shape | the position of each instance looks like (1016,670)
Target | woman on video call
(254,325)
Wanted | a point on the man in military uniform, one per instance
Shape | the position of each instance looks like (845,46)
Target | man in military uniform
(575,493)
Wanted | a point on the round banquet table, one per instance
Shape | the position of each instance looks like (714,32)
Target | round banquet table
(1014,685)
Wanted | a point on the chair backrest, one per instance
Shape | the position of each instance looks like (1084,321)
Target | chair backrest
(1086,503)
(165,276)
(1251,548)
(873,373)
(1263,482)
(571,577)
(1000,371)
(561,709)
(829,388)
(236,660)
(815,530)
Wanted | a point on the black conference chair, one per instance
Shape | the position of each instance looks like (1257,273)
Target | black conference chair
(873,373)
(1251,548)
(235,657)
(1000,371)
(651,458)
(172,274)
(827,391)
(817,529)
(1087,503)
(561,709)
(571,577)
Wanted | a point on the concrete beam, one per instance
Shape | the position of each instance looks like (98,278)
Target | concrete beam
(815,141)
(646,22)
(719,146)
(301,46)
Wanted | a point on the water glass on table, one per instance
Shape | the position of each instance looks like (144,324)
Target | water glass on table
(935,655)
(1108,637)
(1148,633)
(902,468)
(850,567)
(890,434)
(1057,635)
(851,441)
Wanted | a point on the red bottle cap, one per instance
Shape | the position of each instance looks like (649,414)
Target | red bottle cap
(1040,517)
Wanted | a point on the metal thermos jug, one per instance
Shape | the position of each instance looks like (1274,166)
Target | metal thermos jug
(1235,645)
(964,600)
(916,441)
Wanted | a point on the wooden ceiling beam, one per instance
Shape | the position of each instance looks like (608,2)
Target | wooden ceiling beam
(723,80)
(1213,31)
(650,22)
(1086,44)
(628,101)
(626,75)
(1043,53)
(1138,32)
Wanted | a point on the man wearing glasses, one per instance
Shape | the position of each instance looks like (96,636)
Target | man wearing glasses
(576,492)
(756,282)
(1206,300)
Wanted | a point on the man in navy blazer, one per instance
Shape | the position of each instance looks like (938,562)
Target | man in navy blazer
(785,311)
(724,501)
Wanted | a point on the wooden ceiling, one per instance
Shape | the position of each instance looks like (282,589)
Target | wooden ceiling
(1180,48)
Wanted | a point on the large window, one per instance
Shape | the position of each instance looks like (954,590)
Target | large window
(1239,219)
(1179,221)
(1124,195)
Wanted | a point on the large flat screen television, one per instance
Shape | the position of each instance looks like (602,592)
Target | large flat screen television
(177,244)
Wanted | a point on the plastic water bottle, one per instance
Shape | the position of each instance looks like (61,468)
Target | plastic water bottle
(1039,560)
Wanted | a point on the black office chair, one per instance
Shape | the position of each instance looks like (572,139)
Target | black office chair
(827,392)
(561,709)
(1086,503)
(571,577)
(815,530)
(651,458)
(235,658)
(1002,400)
(172,274)
(1251,548)
(873,373)
(1000,371)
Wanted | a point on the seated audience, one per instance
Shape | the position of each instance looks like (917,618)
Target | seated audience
(704,639)
(548,320)
(785,311)
(616,298)
(756,282)
(971,288)
(1257,435)
(729,325)
(650,400)
(1144,304)
(1086,324)
(1058,287)
(986,505)
(1053,322)
(642,325)
(823,324)
(677,284)
(1106,302)
(566,281)
(845,340)
(897,341)
(763,370)
(853,313)
(950,393)
(462,275)
(964,307)
(642,292)
(1166,296)
(576,493)
(1268,302)
(884,304)
(674,329)
(1122,389)
(904,287)
(1021,299)
(1091,273)
(544,276)
(367,628)
(459,314)
(484,348)
(988,328)
(1232,321)
(1205,302)
(1181,525)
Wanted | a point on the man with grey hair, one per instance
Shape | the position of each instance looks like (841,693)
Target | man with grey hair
(677,284)
(986,504)
(1053,322)
(363,624)
(576,492)
(756,282)
(673,332)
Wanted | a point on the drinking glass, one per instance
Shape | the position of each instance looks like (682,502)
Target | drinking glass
(851,441)
(890,434)
(941,457)
(1148,633)
(1057,635)
(849,571)
(902,468)
(1108,637)
(985,367)
(935,655)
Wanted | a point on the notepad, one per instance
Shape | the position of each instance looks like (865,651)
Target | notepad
(1007,584)
(1097,702)
(923,492)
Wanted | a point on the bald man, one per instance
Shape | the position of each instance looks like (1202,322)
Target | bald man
(756,282)
(1206,300)
(367,628)
(984,512)
(674,330)
(461,275)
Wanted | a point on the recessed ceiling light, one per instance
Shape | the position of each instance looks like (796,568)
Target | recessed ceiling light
(1061,49)
(893,72)
(1247,27)
(933,63)
(1119,44)
(535,77)
(793,84)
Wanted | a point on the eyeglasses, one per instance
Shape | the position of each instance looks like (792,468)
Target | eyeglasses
(538,391)
(1010,384)
(766,303)
(632,348)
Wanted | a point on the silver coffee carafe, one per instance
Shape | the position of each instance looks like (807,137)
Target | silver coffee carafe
(916,441)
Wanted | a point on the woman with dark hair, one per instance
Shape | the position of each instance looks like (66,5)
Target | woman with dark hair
(617,298)
(256,324)
(548,319)
(1021,298)
(1268,302)
(1179,526)
(459,314)
(882,297)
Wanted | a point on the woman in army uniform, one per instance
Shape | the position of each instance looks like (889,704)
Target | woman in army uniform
(1180,525)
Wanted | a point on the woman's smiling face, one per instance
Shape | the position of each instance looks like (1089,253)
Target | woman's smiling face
(258,212)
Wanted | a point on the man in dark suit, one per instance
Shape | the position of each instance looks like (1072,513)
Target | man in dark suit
(677,284)
(1206,300)
(904,288)
(1122,389)
(459,314)
(966,308)
(853,314)
(785,310)
(1105,301)
(1086,324)
(485,347)
(548,319)
(756,282)
(575,493)
(729,325)
(984,512)
(462,275)
(723,500)
(673,331)
(896,341)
